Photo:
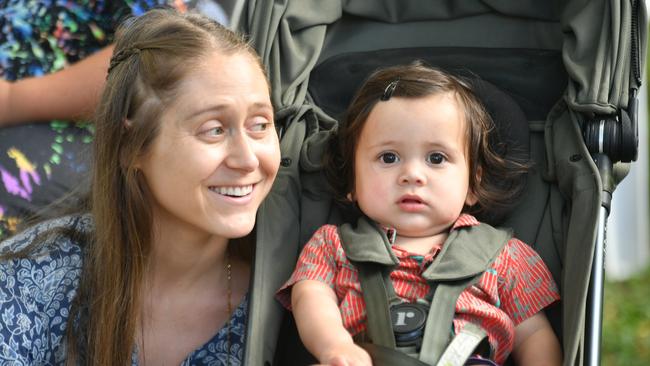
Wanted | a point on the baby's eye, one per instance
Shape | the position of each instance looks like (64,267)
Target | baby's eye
(436,158)
(389,158)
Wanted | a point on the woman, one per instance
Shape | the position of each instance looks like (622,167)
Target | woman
(157,270)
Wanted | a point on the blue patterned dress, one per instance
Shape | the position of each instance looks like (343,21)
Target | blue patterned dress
(36,295)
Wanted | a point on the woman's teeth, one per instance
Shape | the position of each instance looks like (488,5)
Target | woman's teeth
(234,191)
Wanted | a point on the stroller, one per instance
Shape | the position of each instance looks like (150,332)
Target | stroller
(572,68)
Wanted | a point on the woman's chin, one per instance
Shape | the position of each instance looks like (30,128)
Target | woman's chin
(235,229)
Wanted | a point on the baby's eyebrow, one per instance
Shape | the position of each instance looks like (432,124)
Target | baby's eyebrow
(384,143)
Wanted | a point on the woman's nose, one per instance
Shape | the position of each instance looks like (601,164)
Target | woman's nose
(241,154)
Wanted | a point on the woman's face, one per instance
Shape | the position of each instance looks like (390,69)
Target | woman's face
(217,152)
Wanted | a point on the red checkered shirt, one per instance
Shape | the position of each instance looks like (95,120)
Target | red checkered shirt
(514,288)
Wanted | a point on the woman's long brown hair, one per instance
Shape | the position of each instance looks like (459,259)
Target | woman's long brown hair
(152,54)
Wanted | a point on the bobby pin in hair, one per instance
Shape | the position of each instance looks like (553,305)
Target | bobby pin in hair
(388,92)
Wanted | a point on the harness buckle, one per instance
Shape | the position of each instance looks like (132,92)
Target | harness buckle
(408,320)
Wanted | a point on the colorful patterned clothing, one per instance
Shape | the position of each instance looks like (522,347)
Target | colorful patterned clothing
(41,162)
(514,288)
(36,294)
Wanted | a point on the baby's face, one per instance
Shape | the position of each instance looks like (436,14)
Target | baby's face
(411,168)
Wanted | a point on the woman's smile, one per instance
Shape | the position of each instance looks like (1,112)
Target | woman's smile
(234,191)
(234,195)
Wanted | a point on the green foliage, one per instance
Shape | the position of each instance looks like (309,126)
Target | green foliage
(626,322)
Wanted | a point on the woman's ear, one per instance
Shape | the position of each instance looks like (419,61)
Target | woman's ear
(350,197)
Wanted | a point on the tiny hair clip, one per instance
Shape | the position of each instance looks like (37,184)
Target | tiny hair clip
(388,92)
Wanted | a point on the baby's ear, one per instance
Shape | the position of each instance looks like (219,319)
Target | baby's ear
(471,198)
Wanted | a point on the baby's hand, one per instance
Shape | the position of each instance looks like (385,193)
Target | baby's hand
(346,354)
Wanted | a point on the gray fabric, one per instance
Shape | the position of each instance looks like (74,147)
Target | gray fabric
(467,252)
(365,242)
(276,252)
(379,295)
(289,35)
(437,331)
(465,255)
(577,177)
(358,34)
(597,51)
(369,249)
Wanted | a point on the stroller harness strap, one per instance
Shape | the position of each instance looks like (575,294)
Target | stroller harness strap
(464,257)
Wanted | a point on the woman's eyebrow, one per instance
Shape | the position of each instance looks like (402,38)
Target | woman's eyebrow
(207,109)
(262,105)
(220,107)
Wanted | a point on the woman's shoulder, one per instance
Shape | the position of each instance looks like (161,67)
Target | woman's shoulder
(48,251)
(59,233)
(38,285)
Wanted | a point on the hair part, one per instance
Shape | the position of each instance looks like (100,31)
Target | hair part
(491,177)
(153,53)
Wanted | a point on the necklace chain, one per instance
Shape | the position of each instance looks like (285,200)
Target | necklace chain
(228,294)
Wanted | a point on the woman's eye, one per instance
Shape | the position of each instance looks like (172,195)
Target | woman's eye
(260,127)
(215,131)
(389,158)
(436,158)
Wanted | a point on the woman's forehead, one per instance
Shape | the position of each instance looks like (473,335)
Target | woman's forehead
(223,79)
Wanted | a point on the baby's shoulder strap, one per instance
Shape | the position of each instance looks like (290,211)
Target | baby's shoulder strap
(464,257)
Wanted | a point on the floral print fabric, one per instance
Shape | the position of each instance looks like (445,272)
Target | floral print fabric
(36,294)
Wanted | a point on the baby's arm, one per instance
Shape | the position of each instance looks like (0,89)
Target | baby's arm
(536,343)
(315,308)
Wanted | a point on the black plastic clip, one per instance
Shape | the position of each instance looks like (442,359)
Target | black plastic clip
(616,136)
